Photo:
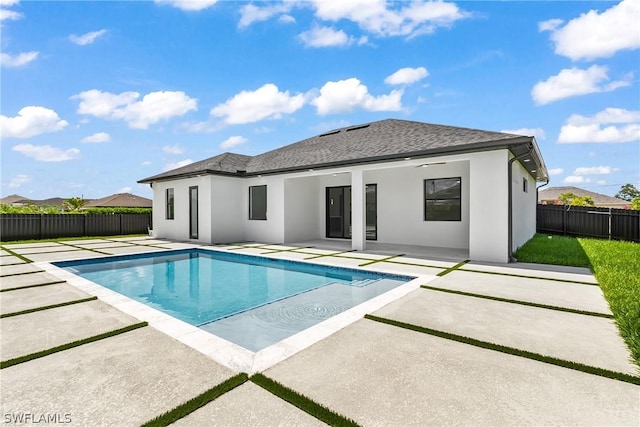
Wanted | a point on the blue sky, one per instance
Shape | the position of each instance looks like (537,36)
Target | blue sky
(97,95)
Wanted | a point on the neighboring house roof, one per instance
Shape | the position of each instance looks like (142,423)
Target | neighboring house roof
(14,198)
(54,201)
(121,200)
(383,140)
(552,194)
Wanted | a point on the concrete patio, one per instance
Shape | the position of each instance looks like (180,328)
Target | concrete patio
(368,371)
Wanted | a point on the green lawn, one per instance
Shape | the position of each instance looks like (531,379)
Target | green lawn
(616,265)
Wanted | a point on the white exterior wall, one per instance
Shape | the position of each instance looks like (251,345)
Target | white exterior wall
(524,206)
(302,210)
(270,230)
(227,211)
(488,225)
(178,228)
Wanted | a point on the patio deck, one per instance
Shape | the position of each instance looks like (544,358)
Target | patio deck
(371,372)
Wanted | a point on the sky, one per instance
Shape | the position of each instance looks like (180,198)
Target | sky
(98,95)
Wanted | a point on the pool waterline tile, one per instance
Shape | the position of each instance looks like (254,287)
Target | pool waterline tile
(226,352)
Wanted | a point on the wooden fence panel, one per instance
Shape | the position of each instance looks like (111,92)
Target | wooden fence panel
(49,226)
(587,221)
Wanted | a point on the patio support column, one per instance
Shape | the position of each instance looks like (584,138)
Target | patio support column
(358,234)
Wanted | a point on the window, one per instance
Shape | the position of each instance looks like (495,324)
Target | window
(169,203)
(442,199)
(258,202)
(525,185)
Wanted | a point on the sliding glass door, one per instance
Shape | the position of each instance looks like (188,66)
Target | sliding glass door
(339,212)
(193,212)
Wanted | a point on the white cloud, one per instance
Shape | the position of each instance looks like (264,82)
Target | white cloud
(19,180)
(173,149)
(620,126)
(31,121)
(325,37)
(176,165)
(407,76)
(286,19)
(348,95)
(124,190)
(574,82)
(14,61)
(572,179)
(596,170)
(267,102)
(139,114)
(188,5)
(536,132)
(87,38)
(146,163)
(96,138)
(374,16)
(597,35)
(6,14)
(233,141)
(47,153)
(556,171)
(251,13)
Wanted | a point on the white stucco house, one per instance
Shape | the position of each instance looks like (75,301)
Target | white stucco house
(390,181)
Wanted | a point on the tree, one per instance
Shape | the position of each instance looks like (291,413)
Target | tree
(628,192)
(74,204)
(635,204)
(573,200)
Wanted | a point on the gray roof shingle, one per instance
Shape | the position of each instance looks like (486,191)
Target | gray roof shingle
(381,140)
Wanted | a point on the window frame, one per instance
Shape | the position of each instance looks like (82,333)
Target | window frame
(253,216)
(426,199)
(169,204)
(525,184)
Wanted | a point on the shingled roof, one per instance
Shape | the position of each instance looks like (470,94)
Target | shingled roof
(121,200)
(552,194)
(384,140)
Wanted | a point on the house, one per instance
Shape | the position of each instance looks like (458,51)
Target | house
(392,181)
(120,200)
(550,196)
(15,200)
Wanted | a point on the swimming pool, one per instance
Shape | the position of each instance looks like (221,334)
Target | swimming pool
(251,301)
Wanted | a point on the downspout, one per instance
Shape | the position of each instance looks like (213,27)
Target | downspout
(510,200)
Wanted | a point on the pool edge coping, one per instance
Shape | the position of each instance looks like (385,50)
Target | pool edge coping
(223,351)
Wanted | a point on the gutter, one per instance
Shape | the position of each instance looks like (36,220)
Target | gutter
(510,198)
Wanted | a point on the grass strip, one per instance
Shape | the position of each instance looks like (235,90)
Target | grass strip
(20,274)
(523,276)
(379,260)
(17,288)
(413,264)
(62,239)
(43,353)
(455,267)
(197,402)
(302,402)
(512,351)
(47,307)
(331,254)
(25,259)
(513,301)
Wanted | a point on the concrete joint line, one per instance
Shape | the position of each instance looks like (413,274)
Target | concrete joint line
(32,286)
(47,307)
(455,267)
(379,260)
(593,370)
(574,282)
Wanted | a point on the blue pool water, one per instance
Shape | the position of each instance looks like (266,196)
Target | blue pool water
(251,301)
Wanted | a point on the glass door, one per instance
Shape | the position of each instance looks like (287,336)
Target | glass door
(339,212)
(193,212)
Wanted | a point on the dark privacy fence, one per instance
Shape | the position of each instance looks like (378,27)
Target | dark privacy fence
(46,226)
(618,224)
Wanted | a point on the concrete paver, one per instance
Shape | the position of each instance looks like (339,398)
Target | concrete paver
(25,268)
(45,249)
(378,374)
(13,246)
(561,294)
(41,296)
(248,405)
(11,260)
(123,380)
(53,327)
(103,244)
(26,280)
(63,256)
(557,272)
(130,250)
(579,338)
